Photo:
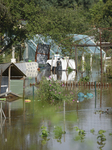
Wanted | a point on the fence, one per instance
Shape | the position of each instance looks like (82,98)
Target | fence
(74,84)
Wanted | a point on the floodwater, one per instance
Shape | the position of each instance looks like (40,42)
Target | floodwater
(21,130)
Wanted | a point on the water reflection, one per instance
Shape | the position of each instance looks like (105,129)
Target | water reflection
(60,75)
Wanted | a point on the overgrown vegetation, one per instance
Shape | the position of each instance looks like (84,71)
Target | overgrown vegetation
(52,91)
(84,79)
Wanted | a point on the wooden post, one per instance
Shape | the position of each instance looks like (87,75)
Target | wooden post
(9,113)
(24,94)
(9,75)
(101,97)
(76,60)
(95,94)
(9,110)
(0,80)
(64,119)
(1,118)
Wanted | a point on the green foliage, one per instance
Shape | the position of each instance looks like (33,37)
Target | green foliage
(87,67)
(58,19)
(110,134)
(81,134)
(52,91)
(26,18)
(101,138)
(44,131)
(92,130)
(86,3)
(84,79)
(12,22)
(101,132)
(69,70)
(44,140)
(1,59)
(101,14)
(58,133)
(67,4)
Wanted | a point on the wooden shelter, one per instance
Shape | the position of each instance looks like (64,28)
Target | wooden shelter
(8,71)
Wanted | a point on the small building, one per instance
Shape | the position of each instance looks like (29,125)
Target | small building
(9,71)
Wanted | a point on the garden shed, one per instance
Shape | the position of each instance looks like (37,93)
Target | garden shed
(9,71)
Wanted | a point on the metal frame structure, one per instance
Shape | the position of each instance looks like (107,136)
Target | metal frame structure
(100,44)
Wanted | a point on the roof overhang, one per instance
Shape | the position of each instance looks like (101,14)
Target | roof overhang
(15,71)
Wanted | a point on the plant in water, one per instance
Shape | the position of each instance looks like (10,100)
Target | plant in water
(101,132)
(58,133)
(69,70)
(44,140)
(44,131)
(84,79)
(52,91)
(110,134)
(92,130)
(81,134)
(101,138)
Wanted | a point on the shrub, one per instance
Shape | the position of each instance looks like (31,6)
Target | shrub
(50,90)
(44,131)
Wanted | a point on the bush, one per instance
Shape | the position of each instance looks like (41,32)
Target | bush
(84,79)
(50,90)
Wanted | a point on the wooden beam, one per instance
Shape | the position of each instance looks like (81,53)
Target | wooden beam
(9,75)
(92,45)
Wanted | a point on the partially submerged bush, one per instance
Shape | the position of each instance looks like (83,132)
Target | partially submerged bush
(50,90)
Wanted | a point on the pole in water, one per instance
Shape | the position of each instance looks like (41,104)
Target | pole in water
(33,99)
(95,94)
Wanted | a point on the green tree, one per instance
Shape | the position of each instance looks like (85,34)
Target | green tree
(39,19)
(101,14)
(12,16)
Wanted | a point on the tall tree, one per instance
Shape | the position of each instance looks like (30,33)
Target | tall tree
(12,25)
(55,22)
(101,17)
(101,14)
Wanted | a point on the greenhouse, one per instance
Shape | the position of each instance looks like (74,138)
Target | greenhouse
(79,41)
